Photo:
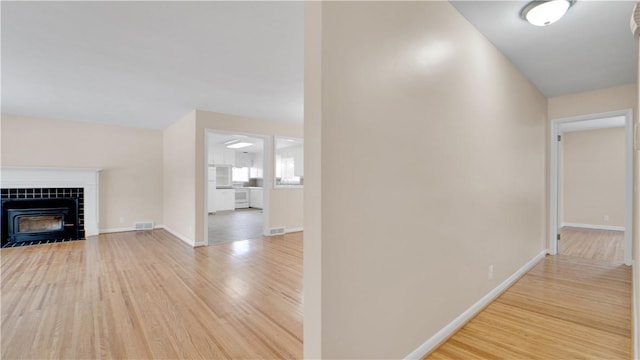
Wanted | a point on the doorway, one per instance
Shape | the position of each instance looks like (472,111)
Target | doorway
(235,202)
(596,231)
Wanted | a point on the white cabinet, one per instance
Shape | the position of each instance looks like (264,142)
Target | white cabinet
(211,197)
(225,199)
(256,166)
(223,176)
(221,155)
(255,197)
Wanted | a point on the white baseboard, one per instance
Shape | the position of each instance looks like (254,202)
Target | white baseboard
(594,226)
(180,236)
(290,230)
(170,230)
(114,230)
(468,314)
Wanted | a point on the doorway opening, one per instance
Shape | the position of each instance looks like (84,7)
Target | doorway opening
(591,181)
(236,201)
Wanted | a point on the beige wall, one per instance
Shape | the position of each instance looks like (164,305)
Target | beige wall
(593,102)
(593,177)
(286,205)
(433,168)
(179,171)
(312,183)
(130,159)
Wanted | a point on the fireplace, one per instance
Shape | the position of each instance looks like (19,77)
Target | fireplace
(42,215)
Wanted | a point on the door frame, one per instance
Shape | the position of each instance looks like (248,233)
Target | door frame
(267,171)
(555,183)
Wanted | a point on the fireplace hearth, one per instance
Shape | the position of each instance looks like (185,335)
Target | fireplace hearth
(43,215)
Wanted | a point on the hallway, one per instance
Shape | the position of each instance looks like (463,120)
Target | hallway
(573,305)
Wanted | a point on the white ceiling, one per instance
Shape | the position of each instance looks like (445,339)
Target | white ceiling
(219,139)
(147,64)
(590,48)
(604,123)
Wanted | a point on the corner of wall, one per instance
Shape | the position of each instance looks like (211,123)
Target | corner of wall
(178,159)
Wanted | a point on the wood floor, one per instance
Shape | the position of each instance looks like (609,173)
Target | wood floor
(239,224)
(605,245)
(143,295)
(564,308)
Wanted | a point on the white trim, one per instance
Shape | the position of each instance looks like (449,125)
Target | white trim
(180,236)
(171,231)
(267,164)
(628,183)
(115,230)
(40,177)
(290,230)
(594,226)
(468,314)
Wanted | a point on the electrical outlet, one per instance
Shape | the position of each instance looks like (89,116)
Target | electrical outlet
(606,218)
(490,272)
(121,220)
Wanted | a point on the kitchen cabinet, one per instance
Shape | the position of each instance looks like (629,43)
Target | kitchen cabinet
(220,155)
(211,197)
(256,171)
(225,199)
(223,176)
(255,197)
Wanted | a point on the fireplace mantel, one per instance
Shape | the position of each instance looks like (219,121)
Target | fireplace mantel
(33,177)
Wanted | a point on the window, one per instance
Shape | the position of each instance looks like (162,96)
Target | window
(240,174)
(289,162)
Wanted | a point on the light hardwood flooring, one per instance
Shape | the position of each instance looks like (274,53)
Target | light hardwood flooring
(605,245)
(239,224)
(564,308)
(144,295)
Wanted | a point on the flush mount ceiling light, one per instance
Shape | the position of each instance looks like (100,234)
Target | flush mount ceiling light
(545,12)
(239,145)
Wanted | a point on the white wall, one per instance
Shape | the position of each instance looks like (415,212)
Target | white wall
(405,242)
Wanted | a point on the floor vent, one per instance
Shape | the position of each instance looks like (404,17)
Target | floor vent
(276,231)
(148,225)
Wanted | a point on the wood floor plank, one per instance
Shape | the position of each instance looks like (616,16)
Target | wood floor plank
(564,308)
(595,244)
(148,295)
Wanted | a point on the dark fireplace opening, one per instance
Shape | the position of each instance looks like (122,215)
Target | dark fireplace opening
(41,216)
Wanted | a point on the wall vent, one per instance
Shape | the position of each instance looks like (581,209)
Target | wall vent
(276,231)
(635,20)
(146,225)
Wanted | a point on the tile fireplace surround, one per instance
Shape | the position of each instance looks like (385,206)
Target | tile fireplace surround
(36,183)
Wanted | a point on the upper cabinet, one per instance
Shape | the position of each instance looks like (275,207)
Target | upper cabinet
(220,155)
(289,162)
(257,166)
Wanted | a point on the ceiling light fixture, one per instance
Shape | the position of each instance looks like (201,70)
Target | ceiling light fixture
(545,12)
(231,141)
(239,145)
